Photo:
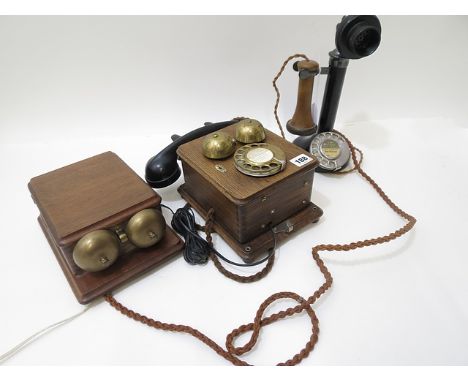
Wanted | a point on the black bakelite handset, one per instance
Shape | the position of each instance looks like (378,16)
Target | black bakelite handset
(162,170)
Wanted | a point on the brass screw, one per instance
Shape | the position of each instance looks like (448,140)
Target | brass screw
(220,168)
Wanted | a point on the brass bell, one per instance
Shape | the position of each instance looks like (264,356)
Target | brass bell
(96,251)
(249,131)
(218,145)
(146,228)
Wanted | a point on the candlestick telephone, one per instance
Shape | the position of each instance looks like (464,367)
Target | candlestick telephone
(252,187)
(356,37)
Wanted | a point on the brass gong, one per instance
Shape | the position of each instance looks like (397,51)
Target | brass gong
(146,228)
(218,145)
(249,131)
(96,250)
(259,159)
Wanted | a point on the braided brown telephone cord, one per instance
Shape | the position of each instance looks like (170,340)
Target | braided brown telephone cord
(232,352)
(241,279)
(278,95)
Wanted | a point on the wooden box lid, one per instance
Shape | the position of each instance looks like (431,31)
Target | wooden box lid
(236,186)
(94,193)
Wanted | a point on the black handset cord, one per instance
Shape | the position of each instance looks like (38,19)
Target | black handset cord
(197,250)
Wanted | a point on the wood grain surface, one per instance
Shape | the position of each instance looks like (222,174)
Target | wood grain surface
(232,183)
(94,193)
(252,250)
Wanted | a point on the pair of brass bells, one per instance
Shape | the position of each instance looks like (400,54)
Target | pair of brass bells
(220,145)
(99,249)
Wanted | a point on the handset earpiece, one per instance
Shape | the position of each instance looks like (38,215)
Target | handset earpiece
(162,170)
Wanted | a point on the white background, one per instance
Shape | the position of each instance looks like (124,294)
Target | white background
(72,87)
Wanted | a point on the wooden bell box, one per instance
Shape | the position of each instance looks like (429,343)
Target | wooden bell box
(98,193)
(247,208)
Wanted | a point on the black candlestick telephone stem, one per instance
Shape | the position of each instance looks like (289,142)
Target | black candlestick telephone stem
(337,67)
(336,72)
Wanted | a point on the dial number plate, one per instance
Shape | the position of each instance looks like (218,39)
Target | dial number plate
(259,159)
(331,150)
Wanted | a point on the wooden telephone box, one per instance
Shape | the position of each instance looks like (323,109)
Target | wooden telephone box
(100,192)
(247,209)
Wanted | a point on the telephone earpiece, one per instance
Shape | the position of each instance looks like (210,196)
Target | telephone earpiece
(357,36)
(98,250)
(302,122)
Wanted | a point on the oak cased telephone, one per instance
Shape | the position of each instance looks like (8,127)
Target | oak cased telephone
(103,223)
(257,191)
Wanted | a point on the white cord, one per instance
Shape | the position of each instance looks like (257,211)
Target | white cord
(35,336)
